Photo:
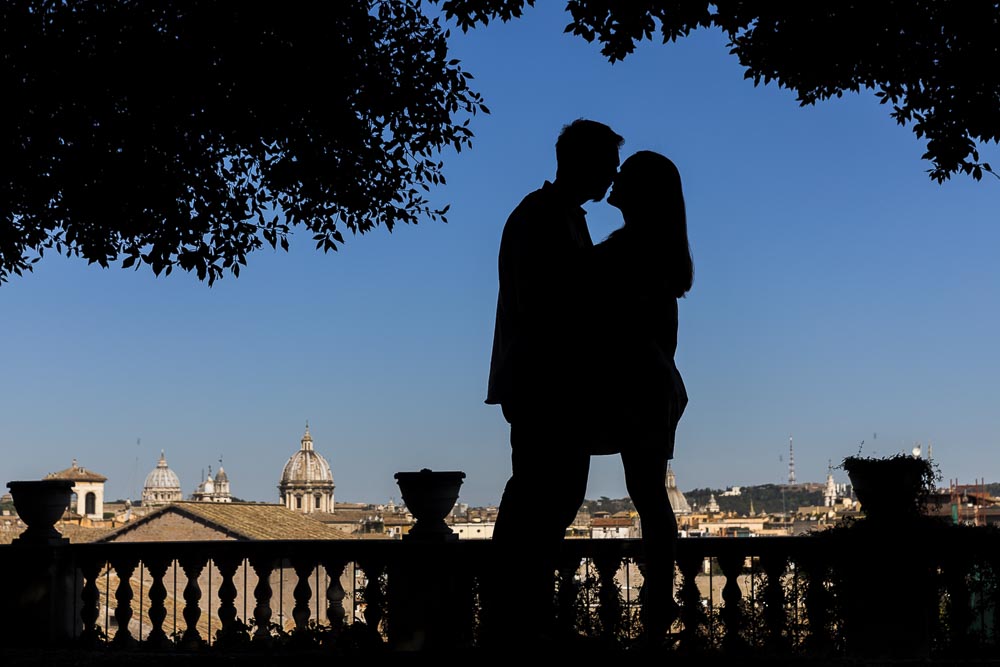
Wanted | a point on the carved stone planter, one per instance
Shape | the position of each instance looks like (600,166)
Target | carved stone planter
(39,504)
(430,495)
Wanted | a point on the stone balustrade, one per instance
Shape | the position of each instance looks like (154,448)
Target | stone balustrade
(832,593)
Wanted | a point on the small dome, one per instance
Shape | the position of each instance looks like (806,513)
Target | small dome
(677,500)
(221,476)
(306,466)
(162,477)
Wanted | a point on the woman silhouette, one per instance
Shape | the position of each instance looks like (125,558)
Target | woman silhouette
(644,267)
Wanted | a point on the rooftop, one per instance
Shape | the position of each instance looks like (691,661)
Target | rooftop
(243,521)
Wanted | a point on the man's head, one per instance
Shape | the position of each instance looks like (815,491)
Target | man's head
(587,159)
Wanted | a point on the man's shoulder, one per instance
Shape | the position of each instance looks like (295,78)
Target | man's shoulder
(537,206)
(539,199)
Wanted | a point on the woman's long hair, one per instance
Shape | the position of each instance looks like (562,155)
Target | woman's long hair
(656,206)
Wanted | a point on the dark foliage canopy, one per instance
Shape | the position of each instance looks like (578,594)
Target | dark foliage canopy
(171,134)
(936,63)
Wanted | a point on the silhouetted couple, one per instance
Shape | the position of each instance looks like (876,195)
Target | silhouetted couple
(583,363)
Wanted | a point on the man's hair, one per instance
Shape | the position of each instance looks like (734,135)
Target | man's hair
(582,139)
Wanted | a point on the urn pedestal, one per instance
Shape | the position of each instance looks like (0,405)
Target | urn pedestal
(430,592)
(37,607)
(889,595)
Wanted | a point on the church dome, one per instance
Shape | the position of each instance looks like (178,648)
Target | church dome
(307,482)
(162,477)
(162,485)
(307,466)
(677,500)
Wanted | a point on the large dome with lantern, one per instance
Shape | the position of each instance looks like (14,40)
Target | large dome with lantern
(162,485)
(307,480)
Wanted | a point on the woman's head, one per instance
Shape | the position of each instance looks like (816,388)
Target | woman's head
(648,185)
(648,192)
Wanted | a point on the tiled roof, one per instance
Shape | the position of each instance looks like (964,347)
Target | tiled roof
(351,506)
(77,474)
(395,520)
(353,516)
(350,515)
(610,522)
(246,521)
(76,534)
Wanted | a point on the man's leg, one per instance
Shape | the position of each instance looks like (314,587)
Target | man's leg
(543,495)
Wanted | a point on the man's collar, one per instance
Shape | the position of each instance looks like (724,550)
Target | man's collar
(559,194)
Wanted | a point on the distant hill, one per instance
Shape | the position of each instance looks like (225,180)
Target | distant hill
(609,505)
(769,498)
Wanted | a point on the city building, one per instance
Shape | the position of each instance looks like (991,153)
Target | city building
(214,489)
(88,490)
(473,530)
(613,527)
(713,505)
(307,481)
(162,485)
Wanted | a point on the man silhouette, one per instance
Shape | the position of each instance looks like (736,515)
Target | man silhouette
(539,362)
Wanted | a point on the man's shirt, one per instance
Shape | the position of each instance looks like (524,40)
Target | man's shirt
(537,352)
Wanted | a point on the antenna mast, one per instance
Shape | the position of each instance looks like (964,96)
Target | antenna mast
(791,462)
(135,472)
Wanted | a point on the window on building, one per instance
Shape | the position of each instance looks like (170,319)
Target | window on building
(298,502)
(90,503)
(319,499)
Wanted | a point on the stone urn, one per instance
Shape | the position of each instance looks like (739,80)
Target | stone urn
(430,495)
(39,504)
(890,489)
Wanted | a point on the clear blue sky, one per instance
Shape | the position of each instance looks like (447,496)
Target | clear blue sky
(839,293)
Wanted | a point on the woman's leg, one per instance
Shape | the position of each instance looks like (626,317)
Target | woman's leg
(645,479)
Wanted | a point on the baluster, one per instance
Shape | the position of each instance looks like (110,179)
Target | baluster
(610,610)
(774,565)
(960,617)
(817,603)
(124,566)
(994,588)
(192,566)
(374,595)
(227,564)
(302,592)
(463,597)
(90,599)
(335,593)
(689,562)
(157,566)
(732,611)
(988,607)
(262,567)
(567,594)
(491,619)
